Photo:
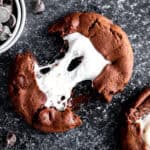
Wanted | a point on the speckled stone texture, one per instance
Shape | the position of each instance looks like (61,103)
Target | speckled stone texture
(101,121)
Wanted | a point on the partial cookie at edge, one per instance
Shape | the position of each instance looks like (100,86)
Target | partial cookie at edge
(131,131)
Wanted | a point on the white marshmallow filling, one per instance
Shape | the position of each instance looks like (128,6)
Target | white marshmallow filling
(58,79)
(145,129)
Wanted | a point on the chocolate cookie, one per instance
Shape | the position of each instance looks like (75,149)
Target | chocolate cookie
(109,40)
(136,130)
(94,49)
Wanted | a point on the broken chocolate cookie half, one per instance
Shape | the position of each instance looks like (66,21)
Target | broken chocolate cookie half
(136,129)
(96,50)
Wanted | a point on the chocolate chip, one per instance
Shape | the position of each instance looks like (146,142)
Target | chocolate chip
(4,14)
(5,34)
(12,21)
(6,30)
(11,139)
(9,8)
(7,19)
(39,7)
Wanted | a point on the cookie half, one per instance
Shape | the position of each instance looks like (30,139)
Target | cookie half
(94,49)
(136,130)
(109,40)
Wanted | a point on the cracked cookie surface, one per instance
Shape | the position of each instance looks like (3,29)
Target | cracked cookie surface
(110,40)
(107,38)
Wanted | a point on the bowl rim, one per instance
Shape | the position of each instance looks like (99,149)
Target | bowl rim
(20,29)
(17,25)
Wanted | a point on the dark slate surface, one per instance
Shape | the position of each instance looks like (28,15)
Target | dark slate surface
(101,121)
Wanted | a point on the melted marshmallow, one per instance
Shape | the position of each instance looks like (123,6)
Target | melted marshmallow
(59,81)
(145,129)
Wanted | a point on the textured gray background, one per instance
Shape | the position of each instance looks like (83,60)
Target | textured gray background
(101,121)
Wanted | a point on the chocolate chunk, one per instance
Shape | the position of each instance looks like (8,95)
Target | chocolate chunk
(12,21)
(5,34)
(39,7)
(4,14)
(11,139)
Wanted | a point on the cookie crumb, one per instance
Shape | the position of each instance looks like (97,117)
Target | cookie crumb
(10,139)
(39,6)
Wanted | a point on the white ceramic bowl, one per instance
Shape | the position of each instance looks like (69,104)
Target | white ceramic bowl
(21,17)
